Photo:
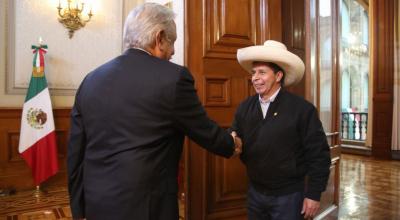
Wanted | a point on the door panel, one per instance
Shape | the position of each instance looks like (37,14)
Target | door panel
(382,70)
(225,30)
(294,35)
(215,30)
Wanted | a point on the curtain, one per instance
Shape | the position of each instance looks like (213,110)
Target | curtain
(396,88)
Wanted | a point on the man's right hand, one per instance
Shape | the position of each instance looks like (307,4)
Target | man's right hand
(238,143)
(310,208)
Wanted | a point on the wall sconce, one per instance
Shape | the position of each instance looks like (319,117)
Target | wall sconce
(71,17)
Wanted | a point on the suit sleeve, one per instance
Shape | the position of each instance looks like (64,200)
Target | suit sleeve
(237,127)
(191,119)
(236,122)
(75,156)
(317,155)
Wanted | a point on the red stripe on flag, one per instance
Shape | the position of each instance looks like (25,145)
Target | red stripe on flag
(42,158)
(41,57)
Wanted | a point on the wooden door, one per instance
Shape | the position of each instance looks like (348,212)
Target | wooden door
(323,88)
(215,30)
(383,78)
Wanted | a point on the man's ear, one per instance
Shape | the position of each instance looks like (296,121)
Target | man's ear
(159,40)
(279,76)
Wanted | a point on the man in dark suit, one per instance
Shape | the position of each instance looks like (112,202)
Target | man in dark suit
(128,124)
(283,138)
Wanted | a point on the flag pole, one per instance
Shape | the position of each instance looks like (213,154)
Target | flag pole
(38,192)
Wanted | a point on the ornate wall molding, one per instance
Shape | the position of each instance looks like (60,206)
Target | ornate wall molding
(68,60)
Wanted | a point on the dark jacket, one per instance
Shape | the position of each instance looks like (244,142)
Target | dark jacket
(127,130)
(280,150)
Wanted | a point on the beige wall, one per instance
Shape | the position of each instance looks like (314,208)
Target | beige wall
(5,100)
(64,50)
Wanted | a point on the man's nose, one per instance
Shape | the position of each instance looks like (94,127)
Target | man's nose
(255,77)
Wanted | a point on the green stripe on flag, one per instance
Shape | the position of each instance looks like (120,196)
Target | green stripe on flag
(34,59)
(36,85)
(38,80)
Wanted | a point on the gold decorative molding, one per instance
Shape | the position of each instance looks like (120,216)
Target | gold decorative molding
(169,5)
(71,17)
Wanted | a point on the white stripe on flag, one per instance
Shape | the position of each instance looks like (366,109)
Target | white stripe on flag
(30,135)
(38,59)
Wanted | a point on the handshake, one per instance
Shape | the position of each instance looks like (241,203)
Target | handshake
(238,143)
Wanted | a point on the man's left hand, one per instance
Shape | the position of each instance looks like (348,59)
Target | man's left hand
(310,208)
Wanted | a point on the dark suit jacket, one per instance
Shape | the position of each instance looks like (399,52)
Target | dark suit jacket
(127,130)
(285,146)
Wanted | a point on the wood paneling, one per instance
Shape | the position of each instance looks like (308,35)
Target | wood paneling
(14,172)
(271,18)
(225,30)
(383,70)
(12,147)
(217,91)
(327,197)
(293,27)
(330,198)
(227,189)
(215,30)
(250,89)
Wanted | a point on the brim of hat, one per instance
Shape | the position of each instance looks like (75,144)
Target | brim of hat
(289,62)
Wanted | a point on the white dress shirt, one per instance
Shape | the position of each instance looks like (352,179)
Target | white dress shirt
(265,103)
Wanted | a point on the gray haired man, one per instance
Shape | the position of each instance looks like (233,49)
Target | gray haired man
(128,124)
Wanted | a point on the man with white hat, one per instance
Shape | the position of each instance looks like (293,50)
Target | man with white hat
(283,138)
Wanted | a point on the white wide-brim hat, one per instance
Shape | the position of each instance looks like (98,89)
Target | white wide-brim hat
(274,52)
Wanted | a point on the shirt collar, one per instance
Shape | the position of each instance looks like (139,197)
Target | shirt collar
(271,99)
(137,48)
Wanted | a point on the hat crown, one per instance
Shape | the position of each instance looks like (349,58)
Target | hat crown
(273,52)
(276,44)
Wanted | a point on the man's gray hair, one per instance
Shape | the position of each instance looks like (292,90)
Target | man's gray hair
(144,22)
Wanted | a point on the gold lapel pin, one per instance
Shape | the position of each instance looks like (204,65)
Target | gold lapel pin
(276,113)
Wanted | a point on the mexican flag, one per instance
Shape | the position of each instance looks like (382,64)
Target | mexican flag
(37,141)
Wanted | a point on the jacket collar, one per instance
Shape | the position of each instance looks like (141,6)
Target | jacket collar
(137,51)
(273,107)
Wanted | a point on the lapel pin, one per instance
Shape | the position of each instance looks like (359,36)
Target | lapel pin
(276,113)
